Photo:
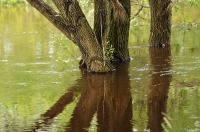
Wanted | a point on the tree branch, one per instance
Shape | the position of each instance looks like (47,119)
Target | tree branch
(140,9)
(52,16)
(60,6)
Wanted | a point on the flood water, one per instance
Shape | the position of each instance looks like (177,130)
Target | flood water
(43,89)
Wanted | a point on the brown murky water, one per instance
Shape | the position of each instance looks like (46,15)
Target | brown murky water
(42,88)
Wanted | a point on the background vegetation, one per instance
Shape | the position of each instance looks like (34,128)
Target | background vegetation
(11,2)
(185,12)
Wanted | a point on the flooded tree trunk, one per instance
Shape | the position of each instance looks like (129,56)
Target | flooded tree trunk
(160,31)
(72,22)
(111,25)
(119,30)
(102,13)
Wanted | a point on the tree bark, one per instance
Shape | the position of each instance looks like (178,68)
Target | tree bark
(119,29)
(111,26)
(54,17)
(160,31)
(76,28)
(102,14)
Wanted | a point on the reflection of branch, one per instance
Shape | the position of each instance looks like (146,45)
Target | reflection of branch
(56,109)
(59,106)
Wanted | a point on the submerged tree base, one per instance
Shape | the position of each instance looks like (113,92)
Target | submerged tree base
(97,66)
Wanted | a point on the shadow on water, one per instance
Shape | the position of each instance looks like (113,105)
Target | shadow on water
(159,87)
(106,96)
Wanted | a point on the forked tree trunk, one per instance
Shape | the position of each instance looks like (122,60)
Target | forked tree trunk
(72,22)
(160,32)
(111,26)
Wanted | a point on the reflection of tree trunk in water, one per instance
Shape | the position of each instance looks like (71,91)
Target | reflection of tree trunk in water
(115,110)
(109,96)
(86,107)
(159,87)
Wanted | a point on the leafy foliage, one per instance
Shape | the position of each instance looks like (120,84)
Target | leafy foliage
(110,52)
(184,11)
(11,2)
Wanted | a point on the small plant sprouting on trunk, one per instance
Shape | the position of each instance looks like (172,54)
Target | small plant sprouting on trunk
(110,52)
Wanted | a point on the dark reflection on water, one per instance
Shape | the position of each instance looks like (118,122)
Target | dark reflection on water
(159,87)
(115,109)
(107,95)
